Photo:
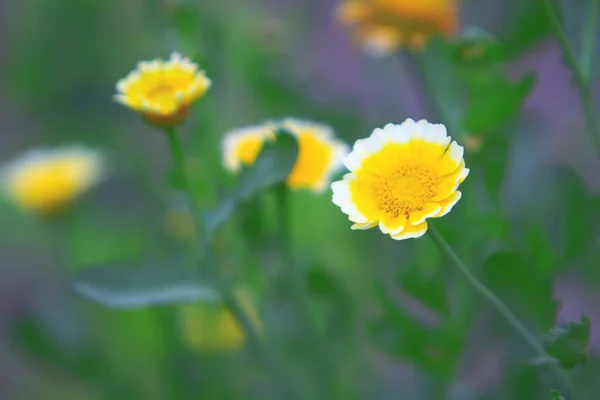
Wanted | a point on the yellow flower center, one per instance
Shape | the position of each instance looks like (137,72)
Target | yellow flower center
(161,93)
(408,188)
(314,158)
(402,179)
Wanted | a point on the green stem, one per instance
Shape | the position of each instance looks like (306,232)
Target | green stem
(287,389)
(584,89)
(589,40)
(486,293)
(229,300)
(180,169)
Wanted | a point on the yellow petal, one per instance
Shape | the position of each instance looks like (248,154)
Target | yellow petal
(428,211)
(411,231)
(392,225)
(364,226)
(448,203)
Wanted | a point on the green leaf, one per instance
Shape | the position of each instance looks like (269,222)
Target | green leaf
(556,395)
(494,100)
(568,343)
(526,289)
(132,288)
(477,48)
(272,166)
(434,348)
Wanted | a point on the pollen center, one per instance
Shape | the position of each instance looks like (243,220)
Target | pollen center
(161,93)
(406,189)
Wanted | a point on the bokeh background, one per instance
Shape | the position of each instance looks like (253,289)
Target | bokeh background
(59,61)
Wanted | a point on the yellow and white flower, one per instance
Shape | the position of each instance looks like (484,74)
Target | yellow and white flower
(243,145)
(320,155)
(162,91)
(47,180)
(399,177)
(382,26)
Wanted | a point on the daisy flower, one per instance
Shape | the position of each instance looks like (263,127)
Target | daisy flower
(399,177)
(162,91)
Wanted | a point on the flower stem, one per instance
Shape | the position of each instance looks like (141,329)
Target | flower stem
(583,86)
(180,170)
(229,300)
(286,387)
(485,292)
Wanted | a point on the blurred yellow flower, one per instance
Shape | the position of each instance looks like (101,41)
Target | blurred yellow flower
(209,327)
(400,176)
(320,155)
(46,180)
(242,146)
(162,91)
(382,26)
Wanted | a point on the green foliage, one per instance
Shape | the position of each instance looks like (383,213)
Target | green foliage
(335,304)
(130,288)
(555,395)
(514,277)
(568,343)
(273,165)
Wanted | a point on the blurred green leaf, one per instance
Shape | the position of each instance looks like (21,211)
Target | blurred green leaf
(568,343)
(477,48)
(542,254)
(524,287)
(273,166)
(494,160)
(494,100)
(556,395)
(429,290)
(130,288)
(433,347)
(529,27)
(581,213)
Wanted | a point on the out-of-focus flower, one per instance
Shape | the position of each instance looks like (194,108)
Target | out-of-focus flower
(320,155)
(47,180)
(400,176)
(242,146)
(382,26)
(162,91)
(210,327)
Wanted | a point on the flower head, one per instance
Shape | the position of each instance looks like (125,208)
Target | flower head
(400,176)
(382,26)
(211,327)
(162,91)
(46,180)
(320,155)
(242,146)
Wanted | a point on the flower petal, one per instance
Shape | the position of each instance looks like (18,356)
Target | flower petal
(365,226)
(343,199)
(428,211)
(392,225)
(448,203)
(411,231)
